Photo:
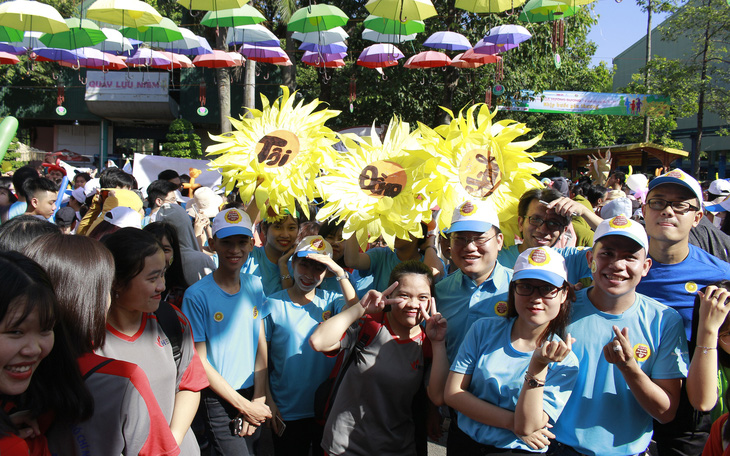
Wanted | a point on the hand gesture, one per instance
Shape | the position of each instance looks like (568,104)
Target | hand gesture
(714,307)
(538,439)
(200,224)
(375,301)
(26,424)
(435,322)
(284,259)
(599,167)
(565,207)
(619,351)
(553,351)
(326,260)
(256,413)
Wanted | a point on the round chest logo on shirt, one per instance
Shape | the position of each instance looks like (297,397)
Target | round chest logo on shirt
(218,316)
(691,287)
(232,216)
(501,308)
(619,221)
(326,315)
(538,257)
(255,311)
(641,352)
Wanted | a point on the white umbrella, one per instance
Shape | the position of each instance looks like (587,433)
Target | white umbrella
(255,33)
(334,35)
(372,35)
(115,42)
(188,41)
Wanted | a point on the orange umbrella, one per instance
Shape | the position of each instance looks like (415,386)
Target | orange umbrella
(458,63)
(338,63)
(218,59)
(428,59)
(471,56)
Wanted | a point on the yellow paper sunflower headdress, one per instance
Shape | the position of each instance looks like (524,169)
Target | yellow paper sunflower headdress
(372,187)
(275,155)
(476,159)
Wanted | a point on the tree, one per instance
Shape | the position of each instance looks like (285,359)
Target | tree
(182,141)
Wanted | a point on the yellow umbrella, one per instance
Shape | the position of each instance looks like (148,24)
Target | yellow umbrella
(401,10)
(127,13)
(31,16)
(575,3)
(211,5)
(488,6)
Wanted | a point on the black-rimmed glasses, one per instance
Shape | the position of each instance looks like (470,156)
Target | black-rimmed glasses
(680,207)
(546,291)
(552,225)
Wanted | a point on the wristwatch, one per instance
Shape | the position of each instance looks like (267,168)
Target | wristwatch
(533,382)
(346,276)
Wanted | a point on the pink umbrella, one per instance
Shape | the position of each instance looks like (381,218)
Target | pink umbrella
(338,63)
(471,56)
(238,58)
(148,57)
(178,61)
(428,59)
(218,59)
(275,55)
(458,63)
(8,59)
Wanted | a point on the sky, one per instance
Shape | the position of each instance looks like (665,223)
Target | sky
(619,26)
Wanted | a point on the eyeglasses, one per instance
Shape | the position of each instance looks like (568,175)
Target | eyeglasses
(552,225)
(680,207)
(463,241)
(546,291)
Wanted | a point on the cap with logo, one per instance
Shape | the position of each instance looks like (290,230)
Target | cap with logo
(475,216)
(677,176)
(313,244)
(622,226)
(542,263)
(232,222)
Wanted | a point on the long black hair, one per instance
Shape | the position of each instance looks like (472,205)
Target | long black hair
(130,248)
(174,276)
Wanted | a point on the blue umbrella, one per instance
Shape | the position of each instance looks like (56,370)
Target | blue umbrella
(12,49)
(324,48)
(450,41)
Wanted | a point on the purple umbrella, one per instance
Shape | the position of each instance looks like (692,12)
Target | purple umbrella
(483,48)
(60,55)
(315,58)
(204,48)
(255,52)
(324,48)
(450,41)
(381,52)
(10,49)
(502,38)
(147,57)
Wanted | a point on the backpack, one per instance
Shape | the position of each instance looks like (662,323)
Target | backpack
(324,396)
(170,324)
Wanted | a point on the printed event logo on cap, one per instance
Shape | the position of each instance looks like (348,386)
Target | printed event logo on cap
(230,223)
(474,216)
(542,263)
(622,226)
(313,244)
(677,176)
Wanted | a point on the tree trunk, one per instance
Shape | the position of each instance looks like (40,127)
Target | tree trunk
(701,103)
(249,91)
(224,85)
(647,121)
(451,82)
(289,73)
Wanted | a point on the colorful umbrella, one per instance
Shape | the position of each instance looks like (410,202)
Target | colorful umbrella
(163,32)
(148,57)
(458,63)
(29,15)
(545,10)
(488,6)
(325,48)
(428,59)
(380,53)
(95,59)
(372,35)
(501,39)
(8,59)
(80,33)
(401,10)
(59,55)
(383,64)
(127,13)
(211,5)
(8,34)
(263,53)
(450,41)
(12,49)
(471,56)
(322,64)
(245,15)
(114,42)
(576,3)
(188,45)
(314,18)
(251,34)
(393,27)
(334,35)
(218,59)
(314,57)
(177,61)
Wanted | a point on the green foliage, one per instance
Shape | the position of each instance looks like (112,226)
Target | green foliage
(182,141)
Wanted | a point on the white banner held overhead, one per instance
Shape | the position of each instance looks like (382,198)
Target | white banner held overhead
(147,167)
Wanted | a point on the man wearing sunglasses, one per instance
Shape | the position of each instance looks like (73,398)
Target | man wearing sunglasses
(673,206)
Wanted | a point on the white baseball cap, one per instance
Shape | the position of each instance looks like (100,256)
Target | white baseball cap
(542,263)
(231,222)
(475,216)
(719,187)
(622,226)
(313,244)
(677,176)
(722,206)
(124,217)
(79,195)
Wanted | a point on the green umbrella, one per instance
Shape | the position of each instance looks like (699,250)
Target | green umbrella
(211,5)
(393,27)
(245,15)
(165,31)
(81,33)
(9,35)
(316,18)
(488,6)
(545,10)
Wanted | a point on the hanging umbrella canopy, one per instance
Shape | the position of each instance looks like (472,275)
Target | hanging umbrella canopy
(507,34)
(471,56)
(256,33)
(9,35)
(59,55)
(458,63)
(177,61)
(245,15)
(393,27)
(380,53)
(402,10)
(577,3)
(314,57)
(237,57)
(191,44)
(127,13)
(428,59)
(211,5)
(115,43)
(314,18)
(325,48)
(163,32)
(545,10)
(91,58)
(80,33)
(450,41)
(488,6)
(322,64)
(110,62)
(29,15)
(12,49)
(8,59)
(148,57)
(372,35)
(325,37)
(274,55)
(383,64)
(218,59)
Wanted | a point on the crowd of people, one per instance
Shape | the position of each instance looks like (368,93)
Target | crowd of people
(182,319)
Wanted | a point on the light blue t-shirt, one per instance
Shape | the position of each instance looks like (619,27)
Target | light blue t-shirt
(602,416)
(295,369)
(676,285)
(575,261)
(258,264)
(462,303)
(16,209)
(497,374)
(229,324)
